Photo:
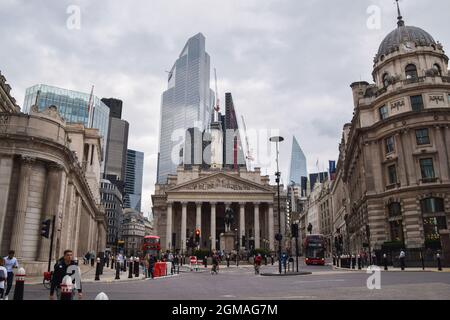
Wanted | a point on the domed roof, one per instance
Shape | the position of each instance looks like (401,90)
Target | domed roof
(405,34)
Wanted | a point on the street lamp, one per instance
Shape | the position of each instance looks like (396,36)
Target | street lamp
(279,237)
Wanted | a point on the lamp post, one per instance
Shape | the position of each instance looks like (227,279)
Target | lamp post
(279,237)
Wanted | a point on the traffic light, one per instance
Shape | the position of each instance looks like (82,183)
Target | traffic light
(197,236)
(45,229)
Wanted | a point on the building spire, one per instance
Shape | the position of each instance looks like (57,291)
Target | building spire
(400,21)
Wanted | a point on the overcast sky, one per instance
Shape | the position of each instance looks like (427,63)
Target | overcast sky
(288,63)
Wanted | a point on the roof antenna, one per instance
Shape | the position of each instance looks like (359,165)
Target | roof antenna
(400,21)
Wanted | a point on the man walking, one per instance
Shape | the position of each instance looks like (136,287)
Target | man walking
(3,276)
(10,264)
(60,271)
(402,259)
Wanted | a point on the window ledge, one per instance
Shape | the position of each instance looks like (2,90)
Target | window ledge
(393,186)
(429,180)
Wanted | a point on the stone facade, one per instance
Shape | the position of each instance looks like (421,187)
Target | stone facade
(7,102)
(111,199)
(133,232)
(49,168)
(197,198)
(393,174)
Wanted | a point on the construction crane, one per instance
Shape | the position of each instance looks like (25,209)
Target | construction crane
(90,103)
(248,156)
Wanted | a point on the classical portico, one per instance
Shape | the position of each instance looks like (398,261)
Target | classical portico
(200,200)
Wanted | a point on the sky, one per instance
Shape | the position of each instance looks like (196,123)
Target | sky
(288,63)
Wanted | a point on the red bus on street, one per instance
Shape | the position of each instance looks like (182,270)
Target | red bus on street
(151,245)
(314,249)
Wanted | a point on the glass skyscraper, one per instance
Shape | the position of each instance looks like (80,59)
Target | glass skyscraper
(72,106)
(297,168)
(133,180)
(187,103)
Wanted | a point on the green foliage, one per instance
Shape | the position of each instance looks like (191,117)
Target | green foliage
(200,254)
(262,252)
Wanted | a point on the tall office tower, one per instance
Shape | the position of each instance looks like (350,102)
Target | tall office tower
(117,145)
(232,145)
(73,107)
(187,103)
(115,107)
(297,168)
(133,180)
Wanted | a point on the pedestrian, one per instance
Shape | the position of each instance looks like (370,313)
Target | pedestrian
(228,260)
(59,272)
(215,264)
(176,261)
(402,259)
(271,259)
(205,262)
(374,259)
(3,277)
(10,264)
(151,265)
(258,260)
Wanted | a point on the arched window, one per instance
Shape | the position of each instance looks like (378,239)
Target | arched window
(411,71)
(438,68)
(385,80)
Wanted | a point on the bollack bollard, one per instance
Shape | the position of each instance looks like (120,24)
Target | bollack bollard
(130,270)
(97,270)
(353,262)
(438,257)
(67,288)
(359,262)
(101,296)
(20,284)
(385,262)
(136,267)
(117,271)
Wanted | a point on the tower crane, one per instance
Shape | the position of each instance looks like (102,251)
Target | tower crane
(248,156)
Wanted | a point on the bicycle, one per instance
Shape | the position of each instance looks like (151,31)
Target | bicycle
(47,279)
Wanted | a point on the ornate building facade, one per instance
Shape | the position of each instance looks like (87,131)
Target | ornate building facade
(196,198)
(49,168)
(393,179)
(7,102)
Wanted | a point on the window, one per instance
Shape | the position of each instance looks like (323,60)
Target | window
(432,205)
(386,80)
(411,71)
(396,230)
(383,112)
(422,137)
(432,225)
(390,145)
(426,168)
(417,103)
(392,173)
(395,209)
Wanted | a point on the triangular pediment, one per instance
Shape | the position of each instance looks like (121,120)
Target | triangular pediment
(220,182)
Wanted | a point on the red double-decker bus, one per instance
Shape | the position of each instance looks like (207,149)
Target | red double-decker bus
(314,249)
(151,245)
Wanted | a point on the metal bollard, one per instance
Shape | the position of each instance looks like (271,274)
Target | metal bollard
(130,270)
(97,270)
(353,262)
(359,262)
(101,296)
(136,267)
(385,262)
(117,271)
(112,264)
(20,284)
(67,288)
(438,257)
(124,268)
(334,260)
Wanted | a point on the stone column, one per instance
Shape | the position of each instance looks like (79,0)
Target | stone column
(241,223)
(271,229)
(256,221)
(18,229)
(198,218)
(51,204)
(183,226)
(169,243)
(227,206)
(213,226)
(6,168)
(76,229)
